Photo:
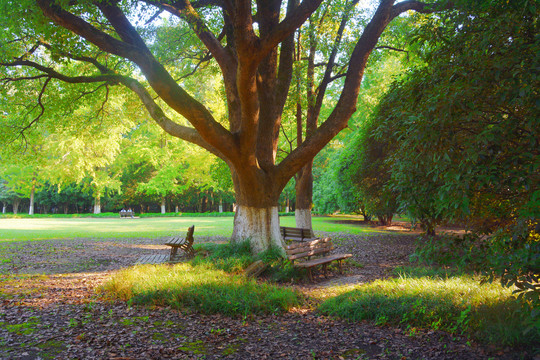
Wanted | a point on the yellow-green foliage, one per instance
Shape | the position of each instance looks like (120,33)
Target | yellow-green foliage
(201,288)
(456,304)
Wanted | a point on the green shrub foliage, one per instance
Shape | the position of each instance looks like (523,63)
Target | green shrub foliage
(465,132)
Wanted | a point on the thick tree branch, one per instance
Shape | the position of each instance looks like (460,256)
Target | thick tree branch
(183,132)
(133,48)
(186,11)
(347,102)
(349,95)
(420,7)
(80,27)
(287,27)
(335,77)
(314,111)
(171,127)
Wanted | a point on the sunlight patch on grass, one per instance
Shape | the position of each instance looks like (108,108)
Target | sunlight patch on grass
(456,304)
(200,288)
(50,228)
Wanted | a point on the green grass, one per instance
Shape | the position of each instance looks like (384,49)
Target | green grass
(457,304)
(210,283)
(15,229)
(63,228)
(201,288)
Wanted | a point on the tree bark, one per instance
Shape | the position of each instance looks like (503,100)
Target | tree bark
(32,193)
(16,203)
(97,204)
(385,220)
(163,205)
(258,225)
(304,197)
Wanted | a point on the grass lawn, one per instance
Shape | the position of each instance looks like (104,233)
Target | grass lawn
(65,228)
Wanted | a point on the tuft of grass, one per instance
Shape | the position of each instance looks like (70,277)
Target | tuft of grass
(200,287)
(457,304)
(279,268)
(231,258)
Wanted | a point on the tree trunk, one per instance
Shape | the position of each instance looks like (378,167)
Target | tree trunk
(32,193)
(97,205)
(256,216)
(163,205)
(4,208)
(16,203)
(304,195)
(259,225)
(385,220)
(220,205)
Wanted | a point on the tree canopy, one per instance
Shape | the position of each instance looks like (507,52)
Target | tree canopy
(85,48)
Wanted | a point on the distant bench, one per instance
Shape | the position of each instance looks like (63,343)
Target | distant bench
(126,213)
(320,248)
(296,234)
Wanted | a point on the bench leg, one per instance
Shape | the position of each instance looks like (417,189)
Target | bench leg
(325,266)
(174,249)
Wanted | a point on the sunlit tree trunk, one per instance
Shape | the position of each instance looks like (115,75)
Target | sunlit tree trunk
(163,205)
(97,204)
(256,216)
(32,193)
(16,203)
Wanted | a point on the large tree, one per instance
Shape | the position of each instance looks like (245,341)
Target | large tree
(115,43)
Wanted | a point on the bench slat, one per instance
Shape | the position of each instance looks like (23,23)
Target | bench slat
(296,234)
(152,259)
(314,247)
(327,245)
(323,260)
(307,243)
(309,253)
(176,241)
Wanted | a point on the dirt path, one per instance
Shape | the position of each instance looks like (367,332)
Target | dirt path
(59,315)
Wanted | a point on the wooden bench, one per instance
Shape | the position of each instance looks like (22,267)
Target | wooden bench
(126,213)
(152,259)
(318,248)
(185,244)
(296,234)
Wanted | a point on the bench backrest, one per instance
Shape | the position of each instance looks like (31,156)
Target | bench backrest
(296,234)
(189,235)
(304,249)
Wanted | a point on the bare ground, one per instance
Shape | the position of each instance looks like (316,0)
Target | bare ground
(49,308)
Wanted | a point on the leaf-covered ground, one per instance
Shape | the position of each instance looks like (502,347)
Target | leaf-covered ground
(49,308)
